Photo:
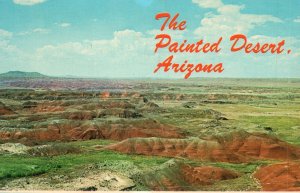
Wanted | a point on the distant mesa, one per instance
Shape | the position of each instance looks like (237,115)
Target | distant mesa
(21,74)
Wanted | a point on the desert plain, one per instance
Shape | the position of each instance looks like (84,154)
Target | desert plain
(209,134)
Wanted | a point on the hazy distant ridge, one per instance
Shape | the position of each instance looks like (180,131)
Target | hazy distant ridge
(20,74)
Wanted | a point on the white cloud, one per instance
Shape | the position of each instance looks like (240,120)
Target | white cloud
(297,20)
(36,30)
(5,34)
(230,9)
(10,55)
(208,3)
(291,43)
(40,30)
(128,53)
(24,33)
(64,25)
(28,2)
(5,37)
(229,21)
(122,43)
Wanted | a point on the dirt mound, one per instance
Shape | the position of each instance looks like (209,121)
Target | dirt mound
(129,114)
(189,148)
(4,110)
(48,107)
(106,104)
(57,132)
(145,128)
(260,146)
(121,113)
(178,176)
(84,181)
(236,147)
(80,115)
(167,185)
(280,177)
(209,113)
(13,148)
(189,105)
(206,175)
(53,150)
(115,104)
(78,131)
(29,104)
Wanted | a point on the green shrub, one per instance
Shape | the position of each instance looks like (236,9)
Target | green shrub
(54,150)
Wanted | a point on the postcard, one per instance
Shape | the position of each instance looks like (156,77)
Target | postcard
(149,95)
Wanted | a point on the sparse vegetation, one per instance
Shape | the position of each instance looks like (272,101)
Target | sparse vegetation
(68,130)
(53,150)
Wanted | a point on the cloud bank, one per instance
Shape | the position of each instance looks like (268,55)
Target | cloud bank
(28,2)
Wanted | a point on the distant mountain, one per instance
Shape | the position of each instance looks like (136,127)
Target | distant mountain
(20,74)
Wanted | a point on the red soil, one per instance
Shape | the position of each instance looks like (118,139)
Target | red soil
(115,104)
(195,149)
(206,175)
(188,177)
(239,147)
(105,95)
(167,184)
(6,111)
(47,107)
(143,129)
(280,177)
(58,132)
(82,115)
(261,146)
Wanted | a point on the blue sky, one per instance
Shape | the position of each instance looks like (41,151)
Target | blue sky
(115,38)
